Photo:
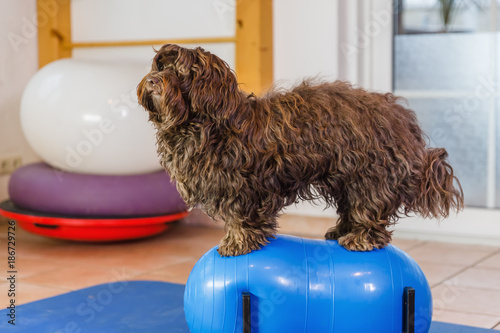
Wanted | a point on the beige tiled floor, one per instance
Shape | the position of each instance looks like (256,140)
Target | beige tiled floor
(465,279)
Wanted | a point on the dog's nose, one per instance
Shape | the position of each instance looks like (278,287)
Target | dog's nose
(153,80)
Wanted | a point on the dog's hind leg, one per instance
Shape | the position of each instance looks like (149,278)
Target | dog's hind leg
(366,237)
(360,236)
(334,194)
(359,228)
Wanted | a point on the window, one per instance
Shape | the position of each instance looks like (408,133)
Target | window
(447,64)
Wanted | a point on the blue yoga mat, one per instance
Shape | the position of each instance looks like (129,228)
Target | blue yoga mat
(125,306)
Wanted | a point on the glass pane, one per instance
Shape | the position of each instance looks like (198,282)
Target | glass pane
(459,126)
(436,16)
(442,61)
(447,63)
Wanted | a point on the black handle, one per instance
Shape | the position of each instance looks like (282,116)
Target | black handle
(247,327)
(409,310)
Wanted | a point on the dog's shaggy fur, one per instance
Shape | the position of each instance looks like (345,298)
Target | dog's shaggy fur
(244,158)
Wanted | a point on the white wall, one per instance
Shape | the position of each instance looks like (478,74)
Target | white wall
(118,20)
(305,40)
(18,62)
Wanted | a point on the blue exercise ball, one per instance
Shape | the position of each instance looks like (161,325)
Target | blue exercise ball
(305,285)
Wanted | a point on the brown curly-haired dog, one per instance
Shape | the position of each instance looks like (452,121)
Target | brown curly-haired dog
(244,158)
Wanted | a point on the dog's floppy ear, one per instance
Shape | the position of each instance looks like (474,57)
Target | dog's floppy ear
(197,81)
(174,57)
(166,63)
(174,99)
(213,88)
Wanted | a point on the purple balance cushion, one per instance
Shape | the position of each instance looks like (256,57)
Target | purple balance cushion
(39,187)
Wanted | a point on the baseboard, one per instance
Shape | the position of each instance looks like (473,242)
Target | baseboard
(471,226)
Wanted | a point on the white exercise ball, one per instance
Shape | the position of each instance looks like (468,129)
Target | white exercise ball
(83,116)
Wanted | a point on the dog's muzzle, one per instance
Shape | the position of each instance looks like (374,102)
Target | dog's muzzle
(154,84)
(152,80)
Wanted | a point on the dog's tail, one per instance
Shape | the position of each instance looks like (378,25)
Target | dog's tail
(438,193)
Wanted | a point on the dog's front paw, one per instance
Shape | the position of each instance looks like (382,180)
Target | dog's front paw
(352,243)
(240,244)
(232,251)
